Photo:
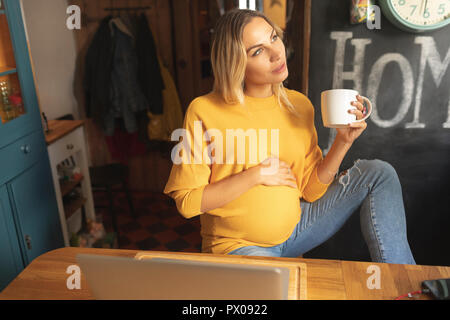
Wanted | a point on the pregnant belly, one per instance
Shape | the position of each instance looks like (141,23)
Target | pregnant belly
(267,214)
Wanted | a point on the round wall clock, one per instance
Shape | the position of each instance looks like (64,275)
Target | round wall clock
(417,15)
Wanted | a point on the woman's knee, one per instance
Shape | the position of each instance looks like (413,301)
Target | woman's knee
(378,167)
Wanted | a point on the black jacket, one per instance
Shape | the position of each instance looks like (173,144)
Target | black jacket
(97,73)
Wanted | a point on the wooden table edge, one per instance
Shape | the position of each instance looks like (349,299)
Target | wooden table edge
(49,138)
(330,287)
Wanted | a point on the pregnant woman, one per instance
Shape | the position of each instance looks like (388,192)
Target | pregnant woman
(291,199)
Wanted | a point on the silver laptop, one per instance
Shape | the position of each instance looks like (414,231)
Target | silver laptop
(121,278)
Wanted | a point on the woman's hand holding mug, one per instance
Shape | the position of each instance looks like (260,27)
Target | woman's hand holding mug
(349,135)
(337,114)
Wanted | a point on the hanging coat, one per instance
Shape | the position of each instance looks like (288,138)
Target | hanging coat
(160,127)
(97,73)
(149,74)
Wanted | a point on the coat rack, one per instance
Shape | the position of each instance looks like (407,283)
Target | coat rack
(89,19)
(128,8)
(115,10)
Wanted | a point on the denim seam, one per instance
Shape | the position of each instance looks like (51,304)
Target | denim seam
(374,227)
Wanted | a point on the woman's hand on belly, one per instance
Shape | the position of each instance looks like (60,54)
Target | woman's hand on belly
(276,172)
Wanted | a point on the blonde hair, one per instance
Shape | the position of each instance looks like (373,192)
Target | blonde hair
(229,57)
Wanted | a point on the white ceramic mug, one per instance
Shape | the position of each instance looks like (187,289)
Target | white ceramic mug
(335,104)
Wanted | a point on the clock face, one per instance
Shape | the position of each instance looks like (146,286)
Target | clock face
(422,13)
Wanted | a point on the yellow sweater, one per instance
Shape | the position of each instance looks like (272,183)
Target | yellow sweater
(264,215)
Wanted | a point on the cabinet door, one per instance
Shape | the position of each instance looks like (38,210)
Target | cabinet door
(34,202)
(10,257)
(19,110)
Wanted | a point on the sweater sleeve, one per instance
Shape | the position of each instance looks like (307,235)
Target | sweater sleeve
(312,188)
(187,178)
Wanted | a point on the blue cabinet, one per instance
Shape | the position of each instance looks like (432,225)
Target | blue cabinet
(29,219)
(10,255)
(16,77)
(33,202)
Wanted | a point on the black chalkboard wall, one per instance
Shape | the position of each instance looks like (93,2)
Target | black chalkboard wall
(410,127)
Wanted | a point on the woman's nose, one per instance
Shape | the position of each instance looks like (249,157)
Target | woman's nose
(276,55)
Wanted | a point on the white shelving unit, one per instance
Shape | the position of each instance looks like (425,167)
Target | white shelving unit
(69,141)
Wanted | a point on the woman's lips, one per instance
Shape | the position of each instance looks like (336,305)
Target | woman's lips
(280,69)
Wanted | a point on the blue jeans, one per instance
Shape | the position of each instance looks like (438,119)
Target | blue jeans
(371,184)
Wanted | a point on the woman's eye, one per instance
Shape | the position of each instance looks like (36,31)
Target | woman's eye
(257,52)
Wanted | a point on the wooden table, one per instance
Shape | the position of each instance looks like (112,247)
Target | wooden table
(45,277)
